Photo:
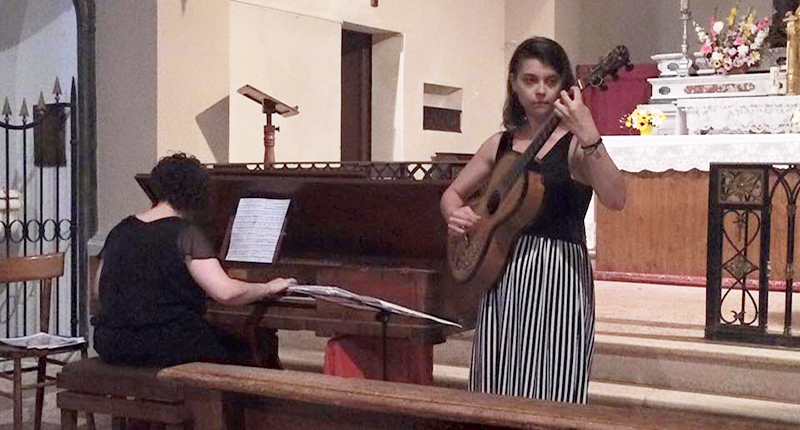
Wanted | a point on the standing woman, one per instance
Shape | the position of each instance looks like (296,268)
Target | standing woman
(535,331)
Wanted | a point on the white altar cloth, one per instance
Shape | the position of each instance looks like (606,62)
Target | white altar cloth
(686,152)
(736,115)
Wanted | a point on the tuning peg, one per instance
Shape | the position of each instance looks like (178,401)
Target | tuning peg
(628,67)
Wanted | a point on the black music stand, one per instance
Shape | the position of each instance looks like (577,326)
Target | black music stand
(269,105)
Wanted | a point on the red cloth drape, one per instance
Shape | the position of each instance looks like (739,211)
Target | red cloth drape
(620,98)
(362,357)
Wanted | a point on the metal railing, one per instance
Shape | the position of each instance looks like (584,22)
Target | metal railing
(751,246)
(36,148)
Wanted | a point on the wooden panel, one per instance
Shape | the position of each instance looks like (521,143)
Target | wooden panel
(664,227)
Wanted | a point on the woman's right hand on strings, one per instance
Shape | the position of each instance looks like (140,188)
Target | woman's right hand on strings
(462,220)
(279,285)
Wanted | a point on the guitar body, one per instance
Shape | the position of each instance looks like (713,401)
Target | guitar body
(477,258)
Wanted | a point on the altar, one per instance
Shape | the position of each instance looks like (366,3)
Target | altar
(660,236)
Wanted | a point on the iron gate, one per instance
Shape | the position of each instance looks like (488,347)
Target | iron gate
(750,206)
(36,152)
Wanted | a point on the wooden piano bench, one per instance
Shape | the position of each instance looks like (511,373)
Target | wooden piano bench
(123,392)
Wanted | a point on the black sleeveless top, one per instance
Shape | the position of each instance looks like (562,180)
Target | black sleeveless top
(565,200)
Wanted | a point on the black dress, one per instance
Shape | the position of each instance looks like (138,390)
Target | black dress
(152,309)
(535,331)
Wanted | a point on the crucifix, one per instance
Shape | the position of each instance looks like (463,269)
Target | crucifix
(269,106)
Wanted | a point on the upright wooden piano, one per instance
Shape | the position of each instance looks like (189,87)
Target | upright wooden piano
(371,228)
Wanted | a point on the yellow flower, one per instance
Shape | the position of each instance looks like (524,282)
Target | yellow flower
(732,16)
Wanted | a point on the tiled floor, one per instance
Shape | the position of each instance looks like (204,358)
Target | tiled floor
(51,416)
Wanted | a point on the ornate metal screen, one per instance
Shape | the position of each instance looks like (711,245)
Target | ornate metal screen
(36,152)
(751,245)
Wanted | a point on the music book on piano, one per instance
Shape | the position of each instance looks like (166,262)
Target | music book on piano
(257,229)
(343,297)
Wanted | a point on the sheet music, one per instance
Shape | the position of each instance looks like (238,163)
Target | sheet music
(353,300)
(42,341)
(256,229)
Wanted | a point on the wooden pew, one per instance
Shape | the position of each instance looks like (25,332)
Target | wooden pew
(235,397)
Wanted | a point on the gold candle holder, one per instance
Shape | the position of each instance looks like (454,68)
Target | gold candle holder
(792,87)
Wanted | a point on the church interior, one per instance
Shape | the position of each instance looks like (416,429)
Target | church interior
(369,109)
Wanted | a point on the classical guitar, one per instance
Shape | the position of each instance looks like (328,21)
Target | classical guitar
(511,198)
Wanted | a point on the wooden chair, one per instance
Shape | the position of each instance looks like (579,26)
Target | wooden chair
(41,268)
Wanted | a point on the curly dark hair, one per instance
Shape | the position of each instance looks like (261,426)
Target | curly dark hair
(181,181)
(548,52)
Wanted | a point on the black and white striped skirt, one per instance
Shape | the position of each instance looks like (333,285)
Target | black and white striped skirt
(535,331)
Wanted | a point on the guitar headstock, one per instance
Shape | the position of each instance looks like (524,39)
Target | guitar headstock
(610,65)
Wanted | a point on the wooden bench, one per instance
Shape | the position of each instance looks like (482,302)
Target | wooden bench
(225,397)
(123,392)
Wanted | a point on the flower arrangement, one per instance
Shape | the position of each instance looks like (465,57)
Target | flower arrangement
(645,120)
(735,46)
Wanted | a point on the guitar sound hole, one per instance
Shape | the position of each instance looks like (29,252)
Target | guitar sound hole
(493,203)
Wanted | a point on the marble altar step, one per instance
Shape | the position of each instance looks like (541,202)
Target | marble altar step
(618,394)
(649,352)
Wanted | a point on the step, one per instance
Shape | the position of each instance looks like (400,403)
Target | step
(605,393)
(771,374)
(681,363)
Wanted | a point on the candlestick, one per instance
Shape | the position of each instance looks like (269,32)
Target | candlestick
(685,63)
(791,54)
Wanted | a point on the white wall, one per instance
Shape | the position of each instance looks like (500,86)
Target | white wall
(38,43)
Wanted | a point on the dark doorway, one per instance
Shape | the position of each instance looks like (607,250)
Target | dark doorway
(356,96)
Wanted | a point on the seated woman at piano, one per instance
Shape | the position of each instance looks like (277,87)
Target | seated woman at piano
(535,328)
(157,270)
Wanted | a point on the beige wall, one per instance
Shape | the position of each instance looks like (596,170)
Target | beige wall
(126,105)
(457,43)
(296,59)
(192,71)
(167,72)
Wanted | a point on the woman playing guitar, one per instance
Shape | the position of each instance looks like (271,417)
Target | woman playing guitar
(535,330)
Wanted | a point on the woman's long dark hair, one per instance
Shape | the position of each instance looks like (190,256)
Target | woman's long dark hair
(548,52)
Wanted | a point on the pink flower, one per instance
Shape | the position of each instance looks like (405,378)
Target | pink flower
(706,49)
(739,41)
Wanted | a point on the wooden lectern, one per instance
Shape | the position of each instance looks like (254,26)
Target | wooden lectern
(269,106)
